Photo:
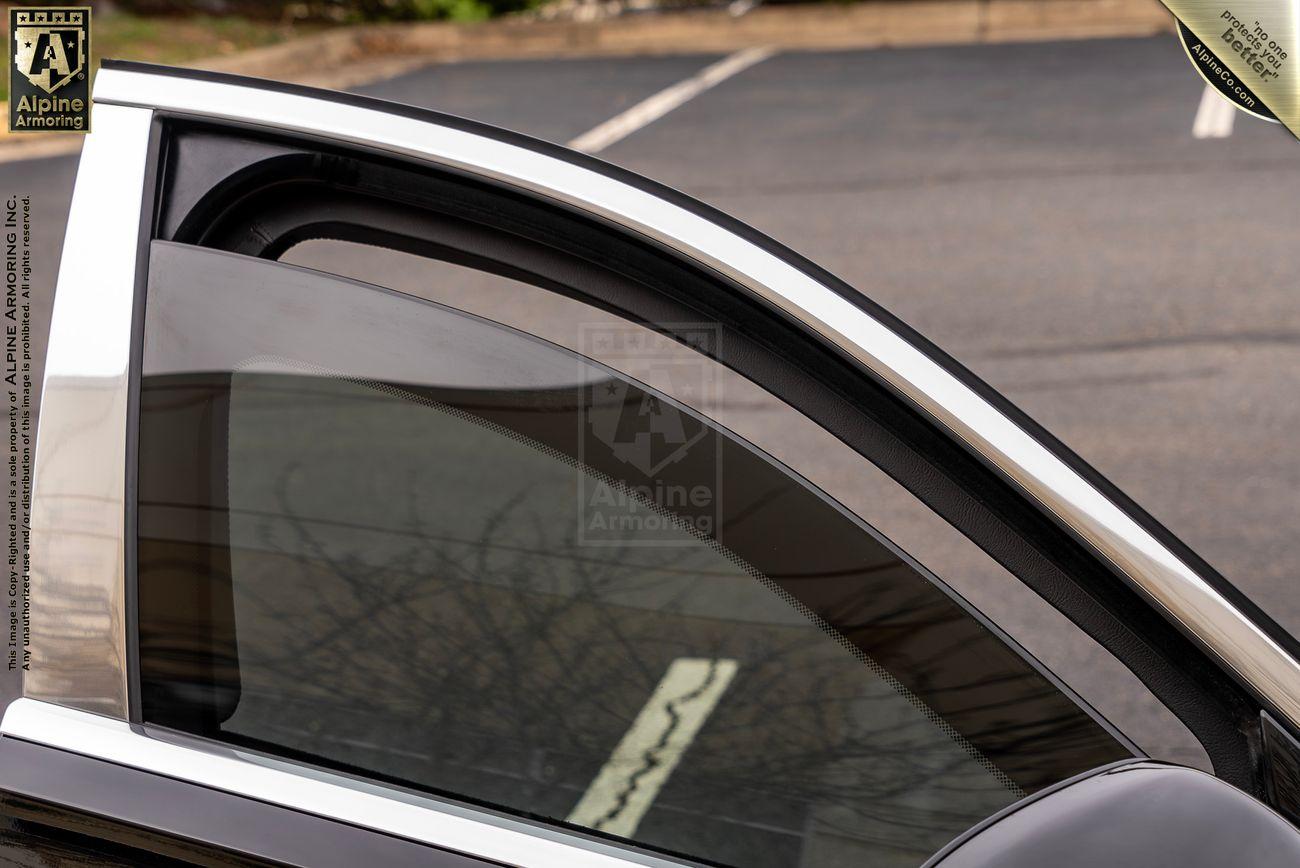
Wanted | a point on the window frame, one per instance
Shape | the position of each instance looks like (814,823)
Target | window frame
(248,212)
(1237,658)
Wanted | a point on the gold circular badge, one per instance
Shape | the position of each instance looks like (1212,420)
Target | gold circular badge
(1218,76)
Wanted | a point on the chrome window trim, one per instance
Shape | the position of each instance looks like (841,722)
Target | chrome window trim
(78,617)
(1171,584)
(446,825)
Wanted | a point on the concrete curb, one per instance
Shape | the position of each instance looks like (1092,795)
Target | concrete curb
(345,58)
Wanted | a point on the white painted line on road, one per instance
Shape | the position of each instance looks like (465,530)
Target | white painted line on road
(1214,116)
(621,793)
(652,108)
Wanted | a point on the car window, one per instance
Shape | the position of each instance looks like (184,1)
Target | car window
(755,414)
(381,534)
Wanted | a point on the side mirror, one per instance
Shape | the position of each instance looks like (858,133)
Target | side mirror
(1141,814)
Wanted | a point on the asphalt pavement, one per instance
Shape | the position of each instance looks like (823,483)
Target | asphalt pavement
(1041,211)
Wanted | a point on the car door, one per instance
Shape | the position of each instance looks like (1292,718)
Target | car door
(421,486)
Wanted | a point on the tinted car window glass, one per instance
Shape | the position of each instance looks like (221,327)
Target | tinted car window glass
(380,534)
(755,414)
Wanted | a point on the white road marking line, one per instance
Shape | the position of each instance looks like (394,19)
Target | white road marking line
(654,107)
(621,793)
(1214,116)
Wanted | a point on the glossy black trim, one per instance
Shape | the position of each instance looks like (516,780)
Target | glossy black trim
(1281,767)
(200,815)
(992,819)
(1141,815)
(150,197)
(37,834)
